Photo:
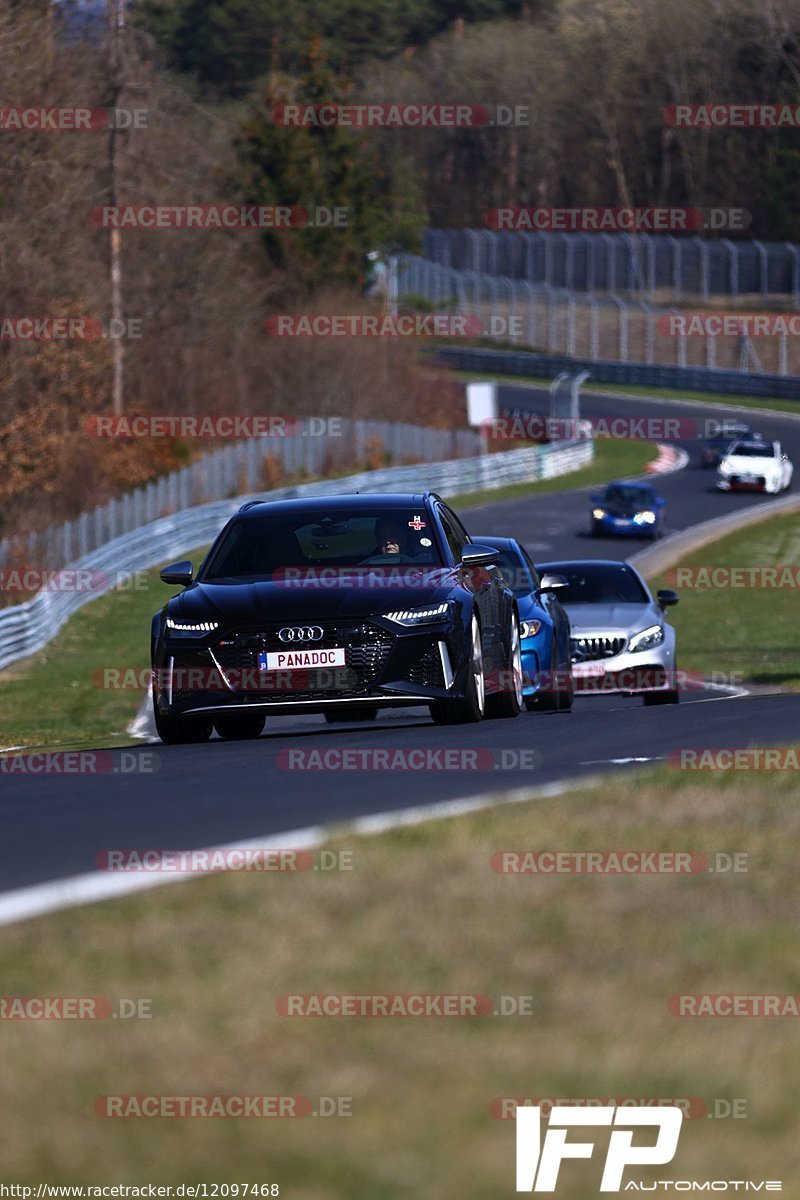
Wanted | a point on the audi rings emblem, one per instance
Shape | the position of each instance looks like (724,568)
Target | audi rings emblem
(300,633)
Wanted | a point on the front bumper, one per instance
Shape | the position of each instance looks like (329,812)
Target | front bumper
(733,483)
(384,665)
(624,527)
(628,674)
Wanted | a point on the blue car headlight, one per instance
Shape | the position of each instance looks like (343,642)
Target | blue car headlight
(419,616)
(645,518)
(529,629)
(647,639)
(189,629)
(599,513)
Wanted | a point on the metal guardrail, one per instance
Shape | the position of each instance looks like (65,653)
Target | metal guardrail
(320,445)
(25,628)
(645,264)
(694,379)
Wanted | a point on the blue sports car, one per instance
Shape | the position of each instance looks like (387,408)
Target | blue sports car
(544,626)
(629,508)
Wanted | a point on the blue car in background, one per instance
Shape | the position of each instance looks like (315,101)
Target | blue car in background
(629,508)
(544,628)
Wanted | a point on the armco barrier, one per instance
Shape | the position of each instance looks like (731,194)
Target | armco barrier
(693,379)
(25,628)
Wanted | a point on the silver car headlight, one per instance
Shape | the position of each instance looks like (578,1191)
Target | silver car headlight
(647,639)
(190,630)
(419,616)
(529,628)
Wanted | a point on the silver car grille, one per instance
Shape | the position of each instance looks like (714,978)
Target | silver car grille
(587,649)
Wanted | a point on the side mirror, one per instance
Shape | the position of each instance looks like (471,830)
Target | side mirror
(178,574)
(666,597)
(478,556)
(552,583)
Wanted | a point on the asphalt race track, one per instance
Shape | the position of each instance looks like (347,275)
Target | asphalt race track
(55,826)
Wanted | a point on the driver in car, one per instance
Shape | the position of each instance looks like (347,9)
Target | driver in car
(391,537)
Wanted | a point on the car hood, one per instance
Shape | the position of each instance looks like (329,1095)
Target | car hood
(265,600)
(749,465)
(623,508)
(588,620)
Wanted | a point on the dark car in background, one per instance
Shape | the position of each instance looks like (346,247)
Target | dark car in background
(716,445)
(340,603)
(544,626)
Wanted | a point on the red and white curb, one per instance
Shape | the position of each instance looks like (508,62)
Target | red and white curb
(670,458)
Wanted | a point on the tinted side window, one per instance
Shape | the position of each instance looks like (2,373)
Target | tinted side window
(454,539)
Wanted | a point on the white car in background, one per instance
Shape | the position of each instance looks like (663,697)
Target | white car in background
(754,466)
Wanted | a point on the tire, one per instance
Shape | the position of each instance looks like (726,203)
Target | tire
(181,731)
(509,703)
(651,699)
(471,709)
(239,726)
(550,700)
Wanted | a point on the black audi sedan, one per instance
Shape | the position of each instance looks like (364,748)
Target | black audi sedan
(337,605)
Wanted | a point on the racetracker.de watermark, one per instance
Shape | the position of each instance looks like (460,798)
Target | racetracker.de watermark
(225,1105)
(783,577)
(228,858)
(403,1004)
(751,325)
(615,862)
(220,216)
(407,758)
(68,329)
(70,120)
(75,1008)
(400,116)
(70,579)
(732,116)
(617,220)
(732,1004)
(381,325)
(755,758)
(80,762)
(504,1108)
(186,426)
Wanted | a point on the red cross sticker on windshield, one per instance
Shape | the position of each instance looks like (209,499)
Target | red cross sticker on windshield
(417,523)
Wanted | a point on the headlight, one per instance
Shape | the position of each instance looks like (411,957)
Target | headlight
(185,629)
(724,468)
(529,628)
(647,639)
(645,518)
(418,616)
(598,513)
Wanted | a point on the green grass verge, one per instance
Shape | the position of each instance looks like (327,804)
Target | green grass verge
(422,911)
(755,402)
(614,458)
(750,631)
(56,697)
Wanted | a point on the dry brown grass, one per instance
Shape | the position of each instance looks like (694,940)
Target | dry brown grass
(423,911)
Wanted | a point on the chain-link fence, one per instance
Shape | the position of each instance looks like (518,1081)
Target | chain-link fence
(589,325)
(654,266)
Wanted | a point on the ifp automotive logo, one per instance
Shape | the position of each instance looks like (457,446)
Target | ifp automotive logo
(538,1164)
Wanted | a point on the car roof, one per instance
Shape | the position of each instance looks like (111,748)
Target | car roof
(579,563)
(752,445)
(346,500)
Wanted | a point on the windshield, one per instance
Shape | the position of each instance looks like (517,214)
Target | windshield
(598,584)
(750,450)
(627,493)
(514,572)
(263,546)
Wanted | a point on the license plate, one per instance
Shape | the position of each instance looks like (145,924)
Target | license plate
(588,670)
(287,660)
(622,520)
(748,478)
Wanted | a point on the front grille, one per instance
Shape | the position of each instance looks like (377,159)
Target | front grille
(367,648)
(588,649)
(427,671)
